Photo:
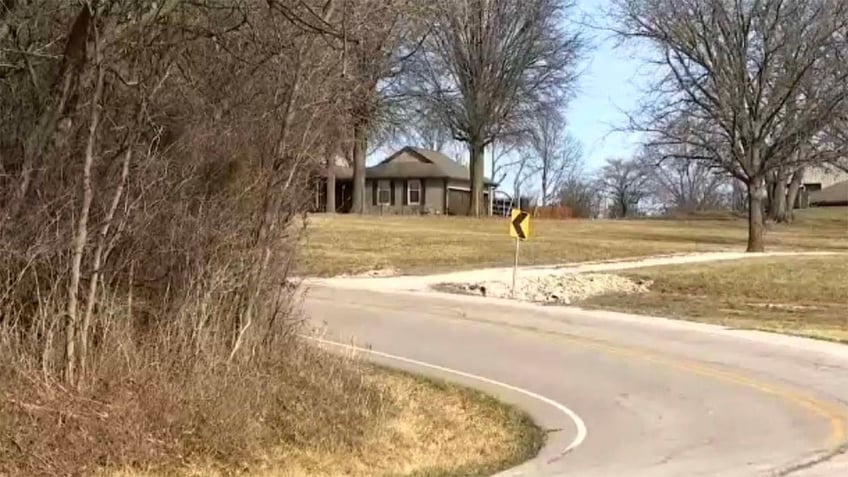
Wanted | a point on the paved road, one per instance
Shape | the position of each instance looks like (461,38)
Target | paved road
(657,397)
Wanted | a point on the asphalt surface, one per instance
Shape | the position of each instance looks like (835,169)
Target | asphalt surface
(619,394)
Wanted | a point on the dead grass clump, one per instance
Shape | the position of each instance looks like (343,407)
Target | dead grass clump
(172,414)
(427,428)
(464,432)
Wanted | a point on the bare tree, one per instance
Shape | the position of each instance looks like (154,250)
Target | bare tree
(824,148)
(379,37)
(737,70)
(487,65)
(420,127)
(554,153)
(679,183)
(504,156)
(625,183)
(828,150)
(522,174)
(580,192)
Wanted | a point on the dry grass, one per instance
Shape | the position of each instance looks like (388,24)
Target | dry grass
(805,296)
(437,429)
(341,244)
(299,412)
(426,428)
(169,412)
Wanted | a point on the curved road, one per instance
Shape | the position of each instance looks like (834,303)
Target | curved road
(619,394)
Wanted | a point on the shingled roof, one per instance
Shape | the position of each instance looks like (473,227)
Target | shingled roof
(837,194)
(432,164)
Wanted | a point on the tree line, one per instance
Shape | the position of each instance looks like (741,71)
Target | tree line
(750,89)
(747,97)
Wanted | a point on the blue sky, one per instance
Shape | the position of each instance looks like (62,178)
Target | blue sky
(612,82)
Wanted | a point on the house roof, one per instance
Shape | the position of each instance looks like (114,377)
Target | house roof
(837,194)
(429,164)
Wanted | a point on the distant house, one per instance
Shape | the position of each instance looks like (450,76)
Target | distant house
(817,178)
(834,195)
(816,181)
(411,181)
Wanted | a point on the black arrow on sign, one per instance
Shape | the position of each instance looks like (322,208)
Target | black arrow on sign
(516,224)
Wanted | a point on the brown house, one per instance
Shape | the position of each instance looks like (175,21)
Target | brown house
(411,181)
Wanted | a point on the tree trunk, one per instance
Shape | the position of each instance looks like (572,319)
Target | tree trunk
(359,147)
(777,212)
(477,168)
(492,160)
(545,183)
(81,234)
(97,261)
(772,178)
(792,195)
(756,196)
(330,206)
(42,134)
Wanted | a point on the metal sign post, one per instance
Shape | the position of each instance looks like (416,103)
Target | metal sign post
(515,266)
(519,227)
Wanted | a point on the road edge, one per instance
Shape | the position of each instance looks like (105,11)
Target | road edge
(525,468)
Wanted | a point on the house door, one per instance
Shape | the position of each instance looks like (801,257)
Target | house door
(458,202)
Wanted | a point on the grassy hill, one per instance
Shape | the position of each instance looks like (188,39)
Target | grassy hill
(345,243)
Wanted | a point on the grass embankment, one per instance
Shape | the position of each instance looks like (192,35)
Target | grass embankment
(316,415)
(433,429)
(344,243)
(805,296)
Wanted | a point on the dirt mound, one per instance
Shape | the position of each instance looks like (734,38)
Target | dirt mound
(374,273)
(559,289)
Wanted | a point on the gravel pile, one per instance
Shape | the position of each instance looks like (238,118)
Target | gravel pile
(559,289)
(375,273)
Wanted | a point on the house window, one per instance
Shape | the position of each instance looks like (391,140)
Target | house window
(384,193)
(413,192)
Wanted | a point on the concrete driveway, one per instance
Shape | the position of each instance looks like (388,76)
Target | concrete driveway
(619,394)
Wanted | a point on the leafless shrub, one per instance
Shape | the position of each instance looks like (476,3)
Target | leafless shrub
(625,183)
(554,153)
(580,193)
(679,184)
(154,156)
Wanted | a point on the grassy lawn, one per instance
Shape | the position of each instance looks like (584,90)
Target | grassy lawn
(344,243)
(805,296)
